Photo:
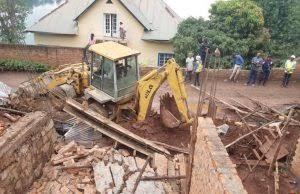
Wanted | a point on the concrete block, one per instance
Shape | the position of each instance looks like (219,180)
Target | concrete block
(102,177)
(129,162)
(118,173)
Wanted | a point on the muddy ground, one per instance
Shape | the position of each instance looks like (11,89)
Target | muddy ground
(272,94)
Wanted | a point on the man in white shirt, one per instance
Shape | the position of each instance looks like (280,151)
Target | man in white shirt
(189,67)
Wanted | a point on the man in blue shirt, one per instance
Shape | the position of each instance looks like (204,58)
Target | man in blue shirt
(256,64)
(238,63)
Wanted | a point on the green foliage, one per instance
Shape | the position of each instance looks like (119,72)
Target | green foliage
(244,26)
(234,26)
(16,65)
(282,18)
(239,18)
(12,20)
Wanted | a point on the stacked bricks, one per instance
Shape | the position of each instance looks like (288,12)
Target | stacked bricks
(213,171)
(24,149)
(50,55)
(296,161)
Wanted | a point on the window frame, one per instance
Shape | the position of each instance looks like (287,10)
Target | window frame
(110,25)
(165,57)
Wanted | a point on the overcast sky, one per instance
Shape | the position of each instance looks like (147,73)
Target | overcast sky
(186,8)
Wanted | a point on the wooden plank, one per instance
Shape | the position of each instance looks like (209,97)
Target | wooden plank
(172,148)
(182,171)
(172,172)
(111,127)
(254,162)
(160,178)
(110,133)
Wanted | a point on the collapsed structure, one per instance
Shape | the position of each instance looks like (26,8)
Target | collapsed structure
(53,144)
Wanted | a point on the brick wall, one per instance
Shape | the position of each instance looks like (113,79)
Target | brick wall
(276,75)
(296,161)
(51,55)
(24,149)
(213,171)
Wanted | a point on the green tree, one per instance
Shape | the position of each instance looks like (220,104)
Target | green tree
(234,26)
(238,18)
(282,17)
(12,20)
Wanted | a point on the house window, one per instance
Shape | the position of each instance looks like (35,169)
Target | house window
(110,25)
(163,57)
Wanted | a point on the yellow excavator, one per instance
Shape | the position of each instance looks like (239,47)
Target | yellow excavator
(109,83)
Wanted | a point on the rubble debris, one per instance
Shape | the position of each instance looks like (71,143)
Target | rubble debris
(75,169)
(113,130)
(5,91)
(222,129)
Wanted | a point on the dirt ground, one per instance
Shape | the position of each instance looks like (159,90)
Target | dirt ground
(272,94)
(14,79)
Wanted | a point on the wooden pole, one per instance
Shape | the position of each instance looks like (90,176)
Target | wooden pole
(13,111)
(246,135)
(272,109)
(158,178)
(280,141)
(140,175)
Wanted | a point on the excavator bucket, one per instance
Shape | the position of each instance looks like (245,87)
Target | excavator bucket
(169,113)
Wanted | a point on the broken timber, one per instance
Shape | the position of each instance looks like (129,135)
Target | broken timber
(113,130)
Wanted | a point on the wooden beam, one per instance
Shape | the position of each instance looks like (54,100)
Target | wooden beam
(140,175)
(159,178)
(254,162)
(13,111)
(246,135)
(113,130)
(172,148)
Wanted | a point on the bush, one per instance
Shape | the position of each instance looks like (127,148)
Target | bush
(17,65)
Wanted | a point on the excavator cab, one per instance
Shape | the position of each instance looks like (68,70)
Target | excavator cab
(114,72)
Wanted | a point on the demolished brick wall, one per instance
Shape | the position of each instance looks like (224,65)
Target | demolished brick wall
(24,149)
(296,161)
(213,171)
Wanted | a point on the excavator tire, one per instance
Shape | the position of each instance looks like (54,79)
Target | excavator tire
(169,113)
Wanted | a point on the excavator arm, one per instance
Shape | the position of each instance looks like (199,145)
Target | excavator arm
(148,86)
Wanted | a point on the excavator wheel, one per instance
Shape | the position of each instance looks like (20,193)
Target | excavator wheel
(169,113)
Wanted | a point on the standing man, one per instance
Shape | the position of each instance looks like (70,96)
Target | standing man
(197,69)
(289,67)
(266,70)
(238,63)
(189,67)
(122,31)
(256,63)
(204,49)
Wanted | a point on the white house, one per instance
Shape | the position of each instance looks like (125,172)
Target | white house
(150,25)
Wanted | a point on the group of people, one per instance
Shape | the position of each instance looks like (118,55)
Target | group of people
(261,69)
(193,68)
(259,73)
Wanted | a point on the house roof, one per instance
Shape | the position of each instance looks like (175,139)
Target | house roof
(158,19)
(112,50)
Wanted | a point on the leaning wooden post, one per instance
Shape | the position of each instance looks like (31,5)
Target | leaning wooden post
(140,175)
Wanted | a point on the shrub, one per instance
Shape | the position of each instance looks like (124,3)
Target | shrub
(17,65)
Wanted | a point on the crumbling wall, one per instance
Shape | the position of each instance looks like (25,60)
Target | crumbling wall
(24,149)
(296,161)
(213,171)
